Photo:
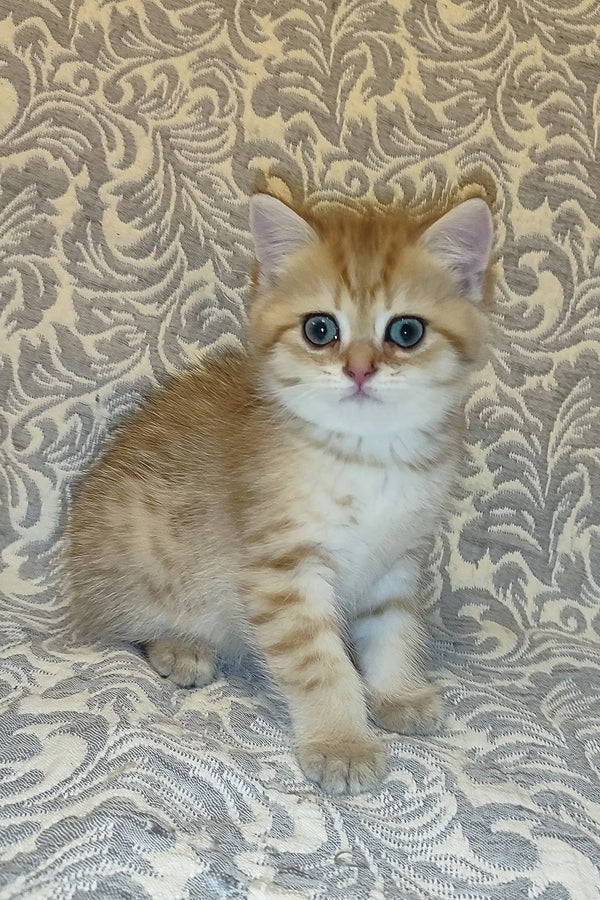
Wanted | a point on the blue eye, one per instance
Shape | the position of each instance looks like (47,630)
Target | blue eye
(405,331)
(321,330)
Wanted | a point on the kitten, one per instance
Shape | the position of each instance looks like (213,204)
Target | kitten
(285,495)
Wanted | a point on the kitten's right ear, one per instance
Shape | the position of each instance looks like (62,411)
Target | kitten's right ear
(278,234)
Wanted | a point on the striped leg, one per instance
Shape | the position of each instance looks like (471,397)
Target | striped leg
(390,643)
(292,610)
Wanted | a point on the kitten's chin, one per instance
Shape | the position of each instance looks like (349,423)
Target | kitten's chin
(361,414)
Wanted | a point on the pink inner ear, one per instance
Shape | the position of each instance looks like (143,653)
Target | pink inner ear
(278,234)
(461,241)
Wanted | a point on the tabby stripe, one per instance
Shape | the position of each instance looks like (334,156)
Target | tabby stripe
(302,635)
(459,344)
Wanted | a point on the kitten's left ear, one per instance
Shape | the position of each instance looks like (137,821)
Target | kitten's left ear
(278,234)
(461,242)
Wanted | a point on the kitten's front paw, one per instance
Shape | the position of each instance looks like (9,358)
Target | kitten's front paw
(419,711)
(187,663)
(345,767)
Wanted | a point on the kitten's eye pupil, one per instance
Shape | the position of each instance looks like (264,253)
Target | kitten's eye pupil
(405,331)
(320,329)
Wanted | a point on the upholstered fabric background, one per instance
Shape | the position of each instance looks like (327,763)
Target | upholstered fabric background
(132,134)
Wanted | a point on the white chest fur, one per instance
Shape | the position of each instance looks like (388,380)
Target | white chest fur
(368,517)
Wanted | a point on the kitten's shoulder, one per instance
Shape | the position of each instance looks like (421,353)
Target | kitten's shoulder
(223,376)
(191,416)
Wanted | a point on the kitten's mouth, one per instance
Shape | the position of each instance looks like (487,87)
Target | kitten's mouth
(361,396)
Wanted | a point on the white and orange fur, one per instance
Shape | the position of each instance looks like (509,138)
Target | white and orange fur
(283,497)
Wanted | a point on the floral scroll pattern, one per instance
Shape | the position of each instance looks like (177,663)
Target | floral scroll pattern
(132,134)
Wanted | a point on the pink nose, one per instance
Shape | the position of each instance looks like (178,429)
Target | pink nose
(359,372)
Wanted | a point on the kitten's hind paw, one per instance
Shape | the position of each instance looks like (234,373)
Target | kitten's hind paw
(349,766)
(419,711)
(188,663)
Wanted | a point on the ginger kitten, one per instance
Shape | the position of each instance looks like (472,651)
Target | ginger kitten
(284,496)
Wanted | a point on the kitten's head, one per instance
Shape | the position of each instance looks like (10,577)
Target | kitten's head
(368,325)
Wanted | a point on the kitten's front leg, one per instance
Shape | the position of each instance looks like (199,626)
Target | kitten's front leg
(390,643)
(291,607)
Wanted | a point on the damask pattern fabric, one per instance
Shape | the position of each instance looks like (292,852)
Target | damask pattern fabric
(132,134)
